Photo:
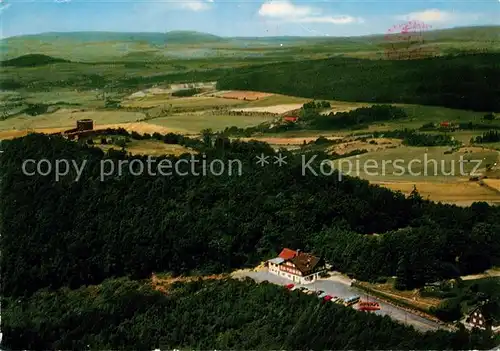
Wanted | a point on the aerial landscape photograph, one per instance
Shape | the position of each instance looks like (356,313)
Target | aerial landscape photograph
(249,175)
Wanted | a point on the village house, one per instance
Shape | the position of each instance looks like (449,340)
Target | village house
(482,318)
(298,266)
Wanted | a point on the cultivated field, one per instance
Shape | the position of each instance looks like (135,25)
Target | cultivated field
(148,147)
(195,122)
(245,95)
(417,163)
(293,141)
(278,109)
(67,118)
(492,183)
(138,127)
(459,192)
(198,102)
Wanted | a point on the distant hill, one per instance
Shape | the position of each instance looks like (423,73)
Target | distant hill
(184,36)
(108,46)
(31,60)
(177,37)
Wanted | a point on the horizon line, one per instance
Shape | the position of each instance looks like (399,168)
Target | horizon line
(238,37)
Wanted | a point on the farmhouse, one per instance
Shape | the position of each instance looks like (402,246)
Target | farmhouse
(482,317)
(298,266)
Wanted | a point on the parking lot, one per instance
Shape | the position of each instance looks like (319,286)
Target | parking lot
(343,290)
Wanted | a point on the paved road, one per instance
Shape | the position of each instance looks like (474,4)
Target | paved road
(342,290)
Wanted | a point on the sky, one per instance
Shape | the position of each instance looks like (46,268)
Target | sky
(241,17)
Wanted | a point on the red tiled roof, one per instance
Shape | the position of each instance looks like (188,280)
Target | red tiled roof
(287,254)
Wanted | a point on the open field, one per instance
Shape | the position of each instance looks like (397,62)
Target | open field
(245,95)
(417,163)
(198,102)
(67,118)
(278,109)
(138,127)
(460,192)
(147,147)
(193,123)
(277,99)
(297,141)
(492,183)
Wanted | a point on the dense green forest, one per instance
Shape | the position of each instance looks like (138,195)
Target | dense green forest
(69,233)
(463,81)
(124,314)
(313,119)
(31,60)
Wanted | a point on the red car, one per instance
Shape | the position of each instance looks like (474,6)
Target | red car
(289,286)
(327,298)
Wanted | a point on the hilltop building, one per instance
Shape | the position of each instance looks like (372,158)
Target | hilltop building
(298,266)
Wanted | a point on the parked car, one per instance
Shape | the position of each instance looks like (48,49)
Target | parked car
(322,295)
(310,292)
(303,289)
(319,292)
(289,286)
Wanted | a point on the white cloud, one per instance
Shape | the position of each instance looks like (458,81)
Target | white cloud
(437,16)
(330,19)
(282,9)
(196,5)
(286,11)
